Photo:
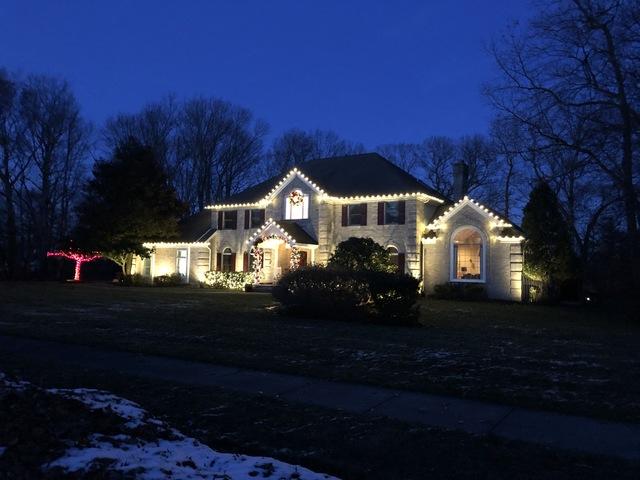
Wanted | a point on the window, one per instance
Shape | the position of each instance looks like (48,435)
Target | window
(181,262)
(257,218)
(393,254)
(296,205)
(357,214)
(228,220)
(228,260)
(467,256)
(393,213)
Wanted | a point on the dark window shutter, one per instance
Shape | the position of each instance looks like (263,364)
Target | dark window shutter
(233,262)
(401,262)
(235,220)
(345,215)
(402,209)
(364,214)
(247,219)
(262,215)
(245,262)
(219,262)
(380,213)
(220,220)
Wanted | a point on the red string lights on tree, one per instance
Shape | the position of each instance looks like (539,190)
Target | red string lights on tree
(78,257)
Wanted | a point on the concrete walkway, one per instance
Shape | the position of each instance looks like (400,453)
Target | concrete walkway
(551,429)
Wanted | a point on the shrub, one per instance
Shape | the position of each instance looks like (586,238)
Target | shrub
(135,280)
(171,280)
(361,254)
(394,296)
(329,292)
(228,280)
(459,291)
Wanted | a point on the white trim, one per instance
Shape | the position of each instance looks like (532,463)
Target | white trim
(510,239)
(295,172)
(174,244)
(428,241)
(271,222)
(385,197)
(496,221)
(483,260)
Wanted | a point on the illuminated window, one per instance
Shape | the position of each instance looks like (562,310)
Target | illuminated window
(181,262)
(296,205)
(228,260)
(467,256)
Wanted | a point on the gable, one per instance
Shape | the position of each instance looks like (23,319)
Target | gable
(367,175)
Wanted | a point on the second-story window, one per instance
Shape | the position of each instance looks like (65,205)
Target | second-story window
(296,205)
(253,218)
(391,213)
(355,214)
(228,219)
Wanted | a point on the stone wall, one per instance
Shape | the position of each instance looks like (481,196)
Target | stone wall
(503,261)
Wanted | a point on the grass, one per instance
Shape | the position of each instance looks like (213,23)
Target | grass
(573,360)
(349,446)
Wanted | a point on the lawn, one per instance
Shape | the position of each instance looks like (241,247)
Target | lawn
(342,444)
(574,360)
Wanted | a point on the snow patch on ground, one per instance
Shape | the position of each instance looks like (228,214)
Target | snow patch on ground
(101,400)
(183,458)
(170,456)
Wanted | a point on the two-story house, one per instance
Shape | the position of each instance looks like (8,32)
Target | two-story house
(298,219)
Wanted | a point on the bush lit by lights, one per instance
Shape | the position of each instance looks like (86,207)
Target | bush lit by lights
(228,280)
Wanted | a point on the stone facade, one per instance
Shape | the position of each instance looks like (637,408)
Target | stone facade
(429,259)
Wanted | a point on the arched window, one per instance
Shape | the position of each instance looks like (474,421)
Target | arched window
(228,260)
(396,257)
(467,255)
(393,254)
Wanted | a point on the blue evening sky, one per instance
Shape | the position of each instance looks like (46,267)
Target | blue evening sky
(374,71)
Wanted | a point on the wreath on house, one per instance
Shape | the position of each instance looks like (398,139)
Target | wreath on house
(296,198)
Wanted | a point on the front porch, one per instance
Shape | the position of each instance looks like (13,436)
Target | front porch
(278,248)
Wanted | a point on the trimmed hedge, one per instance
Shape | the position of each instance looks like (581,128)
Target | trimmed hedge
(172,280)
(228,280)
(345,295)
(459,291)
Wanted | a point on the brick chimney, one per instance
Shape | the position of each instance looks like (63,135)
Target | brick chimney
(460,180)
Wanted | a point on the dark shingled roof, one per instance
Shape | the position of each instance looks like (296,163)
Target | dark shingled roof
(297,232)
(346,176)
(196,228)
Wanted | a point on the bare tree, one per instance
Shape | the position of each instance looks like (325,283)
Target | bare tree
(408,156)
(296,146)
(55,143)
(440,155)
(575,66)
(13,168)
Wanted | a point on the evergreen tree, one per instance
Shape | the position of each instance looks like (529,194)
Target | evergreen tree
(361,254)
(128,202)
(548,253)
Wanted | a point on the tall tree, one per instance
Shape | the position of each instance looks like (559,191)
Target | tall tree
(56,141)
(575,66)
(128,201)
(547,249)
(296,146)
(12,170)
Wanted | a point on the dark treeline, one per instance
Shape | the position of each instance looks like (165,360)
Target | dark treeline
(567,113)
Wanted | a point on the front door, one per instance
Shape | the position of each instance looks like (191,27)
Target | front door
(267,265)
